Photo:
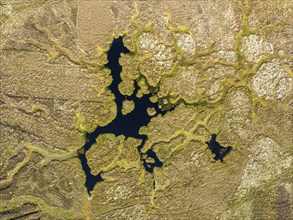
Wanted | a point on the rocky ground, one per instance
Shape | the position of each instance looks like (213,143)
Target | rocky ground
(226,66)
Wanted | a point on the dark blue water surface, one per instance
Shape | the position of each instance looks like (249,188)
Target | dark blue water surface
(127,125)
(217,149)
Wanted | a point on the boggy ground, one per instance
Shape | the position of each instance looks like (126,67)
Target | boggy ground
(226,66)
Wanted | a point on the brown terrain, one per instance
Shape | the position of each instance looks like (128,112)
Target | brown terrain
(226,66)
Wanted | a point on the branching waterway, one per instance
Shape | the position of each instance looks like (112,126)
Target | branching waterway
(127,125)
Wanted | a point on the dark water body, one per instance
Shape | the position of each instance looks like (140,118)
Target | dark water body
(127,125)
(219,151)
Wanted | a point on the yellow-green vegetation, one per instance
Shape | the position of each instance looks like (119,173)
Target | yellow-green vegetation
(110,152)
(226,66)
(127,106)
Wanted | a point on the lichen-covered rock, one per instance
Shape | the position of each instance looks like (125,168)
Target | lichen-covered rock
(255,48)
(271,82)
(266,162)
